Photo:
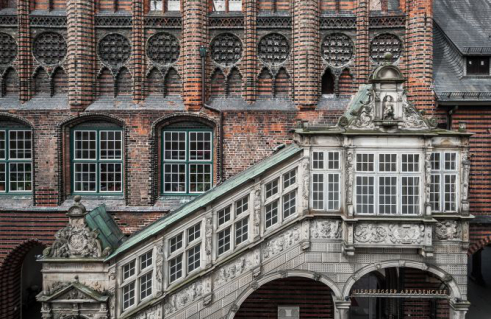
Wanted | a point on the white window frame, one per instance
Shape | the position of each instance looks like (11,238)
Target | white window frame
(135,279)
(183,251)
(232,222)
(279,197)
(442,173)
(399,174)
(326,173)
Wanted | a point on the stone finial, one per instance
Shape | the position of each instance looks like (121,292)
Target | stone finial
(77,209)
(388,56)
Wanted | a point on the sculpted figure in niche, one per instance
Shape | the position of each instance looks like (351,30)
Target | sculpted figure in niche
(388,108)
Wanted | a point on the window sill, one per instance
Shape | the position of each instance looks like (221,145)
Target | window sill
(16,201)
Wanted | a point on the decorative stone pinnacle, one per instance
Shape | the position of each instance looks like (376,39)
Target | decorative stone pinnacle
(78,209)
(388,57)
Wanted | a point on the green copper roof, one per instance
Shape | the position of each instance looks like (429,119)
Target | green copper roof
(109,233)
(207,198)
(360,97)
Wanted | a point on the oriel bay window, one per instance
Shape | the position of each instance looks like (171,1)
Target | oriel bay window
(184,254)
(187,161)
(443,187)
(137,280)
(388,184)
(15,160)
(97,161)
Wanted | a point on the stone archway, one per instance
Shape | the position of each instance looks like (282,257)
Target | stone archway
(288,280)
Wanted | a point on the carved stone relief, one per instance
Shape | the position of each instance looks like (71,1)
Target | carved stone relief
(257,211)
(396,234)
(208,239)
(237,268)
(305,184)
(326,229)
(186,296)
(448,230)
(282,242)
(75,241)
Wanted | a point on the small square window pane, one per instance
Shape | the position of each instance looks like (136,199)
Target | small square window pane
(175,268)
(435,161)
(146,260)
(318,160)
(111,145)
(128,295)
(241,231)
(194,260)
(365,162)
(289,178)
(194,232)
(289,204)
(156,5)
(242,205)
(175,146)
(271,188)
(85,177)
(175,178)
(271,214)
(200,146)
(128,270)
(20,177)
(387,163)
(318,191)
(145,285)
(410,163)
(224,241)
(450,161)
(223,216)
(111,177)
(175,243)
(200,178)
(333,160)
(173,5)
(85,145)
(235,5)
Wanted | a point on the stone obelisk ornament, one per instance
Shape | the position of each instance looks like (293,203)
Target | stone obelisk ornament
(76,240)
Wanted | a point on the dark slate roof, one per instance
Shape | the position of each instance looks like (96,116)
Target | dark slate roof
(109,233)
(466,22)
(462,27)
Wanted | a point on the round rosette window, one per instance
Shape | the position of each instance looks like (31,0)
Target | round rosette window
(385,43)
(273,49)
(114,50)
(49,48)
(163,48)
(337,49)
(8,48)
(226,49)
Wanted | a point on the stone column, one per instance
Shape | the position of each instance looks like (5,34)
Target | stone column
(81,53)
(194,36)
(458,309)
(342,309)
(306,37)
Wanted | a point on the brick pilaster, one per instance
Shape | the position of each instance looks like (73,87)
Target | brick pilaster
(362,42)
(138,47)
(306,37)
(419,51)
(250,54)
(81,53)
(24,55)
(194,36)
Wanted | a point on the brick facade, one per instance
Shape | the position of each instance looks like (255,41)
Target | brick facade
(252,105)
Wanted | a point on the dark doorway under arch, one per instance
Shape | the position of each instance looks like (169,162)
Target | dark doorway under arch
(31,284)
(328,83)
(313,299)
